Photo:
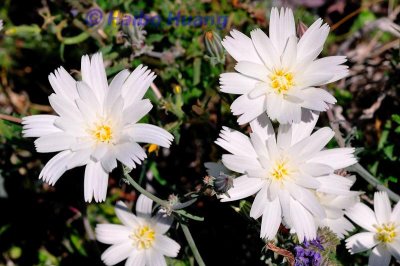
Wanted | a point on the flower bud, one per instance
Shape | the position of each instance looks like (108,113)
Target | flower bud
(301,28)
(214,47)
(133,31)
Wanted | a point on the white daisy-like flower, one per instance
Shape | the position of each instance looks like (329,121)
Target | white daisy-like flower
(383,230)
(140,238)
(335,206)
(96,124)
(286,173)
(280,74)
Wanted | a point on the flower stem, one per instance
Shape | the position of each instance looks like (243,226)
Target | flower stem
(373,181)
(145,192)
(192,245)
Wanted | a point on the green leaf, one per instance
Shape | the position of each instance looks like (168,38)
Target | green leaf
(383,139)
(156,174)
(196,71)
(389,152)
(77,243)
(396,118)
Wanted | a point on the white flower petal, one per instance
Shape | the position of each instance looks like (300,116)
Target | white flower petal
(117,253)
(236,83)
(312,41)
(144,206)
(316,169)
(125,215)
(136,111)
(332,64)
(303,221)
(243,187)
(382,207)
(136,258)
(39,125)
(87,95)
(145,133)
(395,216)
(363,216)
(240,164)
(235,142)
(259,204)
(361,242)
(63,84)
(262,127)
(154,258)
(306,199)
(379,256)
(166,246)
(93,73)
(248,108)
(137,84)
(394,249)
(252,70)
(271,219)
(96,182)
(112,233)
(265,48)
(240,47)
(55,168)
(290,53)
(129,154)
(162,222)
(281,27)
(109,161)
(312,144)
(115,88)
(337,158)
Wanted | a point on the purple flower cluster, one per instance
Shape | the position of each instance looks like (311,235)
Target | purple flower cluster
(309,253)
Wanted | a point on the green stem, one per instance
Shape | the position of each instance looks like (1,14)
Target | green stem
(192,245)
(145,192)
(373,181)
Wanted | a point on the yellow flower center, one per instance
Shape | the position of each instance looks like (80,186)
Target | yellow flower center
(143,237)
(279,171)
(103,133)
(281,81)
(385,233)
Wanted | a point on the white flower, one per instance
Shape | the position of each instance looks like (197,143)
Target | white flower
(1,24)
(96,124)
(335,206)
(140,238)
(279,75)
(383,230)
(286,173)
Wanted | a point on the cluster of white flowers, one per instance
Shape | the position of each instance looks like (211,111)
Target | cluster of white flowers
(97,124)
(292,174)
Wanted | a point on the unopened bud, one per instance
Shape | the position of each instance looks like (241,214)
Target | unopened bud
(214,47)
(134,31)
(223,183)
(301,28)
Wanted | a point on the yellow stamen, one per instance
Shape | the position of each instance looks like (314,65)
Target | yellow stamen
(281,81)
(385,233)
(279,171)
(103,133)
(143,237)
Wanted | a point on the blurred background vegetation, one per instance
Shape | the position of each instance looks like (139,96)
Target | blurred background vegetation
(44,225)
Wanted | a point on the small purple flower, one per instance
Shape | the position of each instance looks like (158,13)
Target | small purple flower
(309,253)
